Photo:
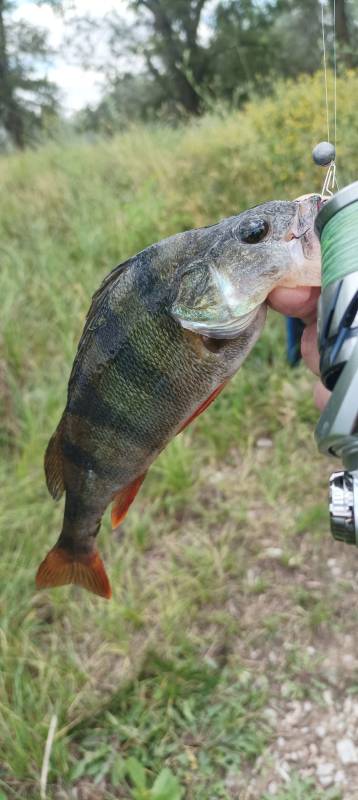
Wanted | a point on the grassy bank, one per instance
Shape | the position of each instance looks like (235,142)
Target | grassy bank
(225,604)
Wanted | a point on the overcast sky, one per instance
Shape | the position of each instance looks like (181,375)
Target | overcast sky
(78,86)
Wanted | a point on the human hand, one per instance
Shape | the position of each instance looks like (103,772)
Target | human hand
(302,303)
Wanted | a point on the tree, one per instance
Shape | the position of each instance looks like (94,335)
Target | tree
(242,49)
(160,61)
(161,47)
(130,98)
(346,30)
(25,95)
(297,37)
(342,29)
(173,54)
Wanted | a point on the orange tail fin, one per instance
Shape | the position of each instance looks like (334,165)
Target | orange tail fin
(61,567)
(124,499)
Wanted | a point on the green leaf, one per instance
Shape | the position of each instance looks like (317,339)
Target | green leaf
(117,770)
(136,772)
(166,787)
(89,763)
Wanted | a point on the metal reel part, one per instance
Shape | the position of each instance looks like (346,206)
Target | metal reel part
(343,506)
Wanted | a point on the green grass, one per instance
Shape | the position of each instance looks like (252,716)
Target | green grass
(157,694)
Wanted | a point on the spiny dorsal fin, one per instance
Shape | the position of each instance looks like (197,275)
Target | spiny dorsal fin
(54,464)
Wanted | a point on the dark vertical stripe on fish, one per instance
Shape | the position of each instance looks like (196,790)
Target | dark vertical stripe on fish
(92,407)
(84,460)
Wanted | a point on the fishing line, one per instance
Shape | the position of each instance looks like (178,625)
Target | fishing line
(335,73)
(325,66)
(324,154)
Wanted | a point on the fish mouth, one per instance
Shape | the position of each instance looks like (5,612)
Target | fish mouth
(325,198)
(303,229)
(303,244)
(305,256)
(310,243)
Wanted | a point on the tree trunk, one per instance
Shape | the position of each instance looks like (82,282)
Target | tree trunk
(173,55)
(342,26)
(187,95)
(10,114)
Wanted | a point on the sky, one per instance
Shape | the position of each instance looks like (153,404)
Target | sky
(79,87)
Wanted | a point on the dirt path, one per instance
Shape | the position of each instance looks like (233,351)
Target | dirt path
(312,669)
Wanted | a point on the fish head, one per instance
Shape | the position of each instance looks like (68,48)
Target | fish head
(243,258)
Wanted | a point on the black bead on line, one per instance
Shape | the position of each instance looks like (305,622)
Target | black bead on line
(323,154)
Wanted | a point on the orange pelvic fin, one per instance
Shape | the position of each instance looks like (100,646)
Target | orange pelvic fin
(203,406)
(124,499)
(61,567)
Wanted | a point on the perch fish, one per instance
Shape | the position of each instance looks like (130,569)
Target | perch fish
(166,331)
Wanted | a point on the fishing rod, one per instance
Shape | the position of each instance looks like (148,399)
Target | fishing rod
(337,227)
(337,430)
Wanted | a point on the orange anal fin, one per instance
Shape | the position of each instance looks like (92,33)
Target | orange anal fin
(61,567)
(203,406)
(124,499)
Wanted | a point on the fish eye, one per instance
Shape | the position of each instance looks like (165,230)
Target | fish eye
(254,230)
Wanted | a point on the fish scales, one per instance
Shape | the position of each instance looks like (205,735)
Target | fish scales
(166,330)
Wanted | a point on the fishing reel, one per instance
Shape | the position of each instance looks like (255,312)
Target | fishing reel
(337,430)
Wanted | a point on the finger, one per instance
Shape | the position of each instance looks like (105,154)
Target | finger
(321,395)
(287,301)
(300,302)
(309,348)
